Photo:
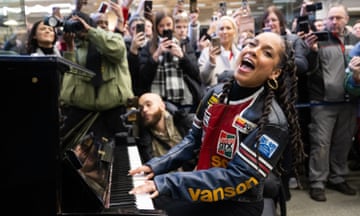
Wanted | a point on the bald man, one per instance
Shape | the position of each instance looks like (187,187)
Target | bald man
(101,20)
(160,128)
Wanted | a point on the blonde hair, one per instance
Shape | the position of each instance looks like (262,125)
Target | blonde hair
(181,17)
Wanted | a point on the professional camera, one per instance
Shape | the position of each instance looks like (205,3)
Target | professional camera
(314,7)
(67,25)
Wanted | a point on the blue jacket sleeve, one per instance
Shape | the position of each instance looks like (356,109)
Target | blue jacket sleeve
(242,173)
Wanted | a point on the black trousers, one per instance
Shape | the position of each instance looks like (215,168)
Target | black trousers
(224,208)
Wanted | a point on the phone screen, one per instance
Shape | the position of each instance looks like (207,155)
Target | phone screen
(215,42)
(193,6)
(140,27)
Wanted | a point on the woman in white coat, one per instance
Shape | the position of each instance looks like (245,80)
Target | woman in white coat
(213,60)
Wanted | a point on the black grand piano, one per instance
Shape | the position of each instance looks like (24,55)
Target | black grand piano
(43,178)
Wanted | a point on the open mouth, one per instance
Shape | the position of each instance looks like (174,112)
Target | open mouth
(247,63)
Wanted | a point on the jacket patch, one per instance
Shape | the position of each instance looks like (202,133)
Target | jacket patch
(226,144)
(267,146)
(243,125)
(213,100)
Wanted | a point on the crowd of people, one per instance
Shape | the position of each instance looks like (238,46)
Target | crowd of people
(218,112)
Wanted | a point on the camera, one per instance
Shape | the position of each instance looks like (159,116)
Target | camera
(67,25)
(314,7)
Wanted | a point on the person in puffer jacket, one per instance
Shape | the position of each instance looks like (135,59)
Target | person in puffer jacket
(241,128)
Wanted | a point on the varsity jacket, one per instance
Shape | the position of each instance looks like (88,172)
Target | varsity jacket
(232,165)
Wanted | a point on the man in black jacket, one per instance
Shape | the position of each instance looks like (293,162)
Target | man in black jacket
(162,126)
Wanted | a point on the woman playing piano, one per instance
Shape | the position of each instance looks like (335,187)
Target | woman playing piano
(241,128)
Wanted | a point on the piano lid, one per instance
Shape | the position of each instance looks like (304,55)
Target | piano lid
(64,63)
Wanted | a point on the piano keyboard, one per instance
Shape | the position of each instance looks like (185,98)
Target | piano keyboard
(143,201)
(127,157)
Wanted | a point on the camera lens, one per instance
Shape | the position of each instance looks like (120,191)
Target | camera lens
(52,21)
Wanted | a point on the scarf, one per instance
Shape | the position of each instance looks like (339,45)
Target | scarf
(169,80)
(93,63)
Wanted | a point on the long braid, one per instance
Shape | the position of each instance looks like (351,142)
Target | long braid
(226,90)
(287,97)
(264,117)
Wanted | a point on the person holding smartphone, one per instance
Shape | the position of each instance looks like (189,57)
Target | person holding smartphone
(134,43)
(164,65)
(332,127)
(221,55)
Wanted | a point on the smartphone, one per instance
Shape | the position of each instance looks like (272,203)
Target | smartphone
(215,41)
(303,26)
(314,7)
(322,35)
(222,8)
(148,6)
(103,7)
(168,33)
(203,32)
(193,6)
(140,27)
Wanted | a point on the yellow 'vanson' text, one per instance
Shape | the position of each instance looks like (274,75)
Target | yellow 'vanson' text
(220,193)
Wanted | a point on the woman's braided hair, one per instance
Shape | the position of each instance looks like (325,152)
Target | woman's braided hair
(286,96)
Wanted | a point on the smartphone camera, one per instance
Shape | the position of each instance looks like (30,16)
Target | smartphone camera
(214,18)
(168,33)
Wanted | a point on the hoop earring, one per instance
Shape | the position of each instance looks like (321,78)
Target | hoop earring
(273,84)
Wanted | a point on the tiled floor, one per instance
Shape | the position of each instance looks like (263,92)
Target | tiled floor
(337,204)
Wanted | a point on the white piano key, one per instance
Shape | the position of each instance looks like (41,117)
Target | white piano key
(143,201)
